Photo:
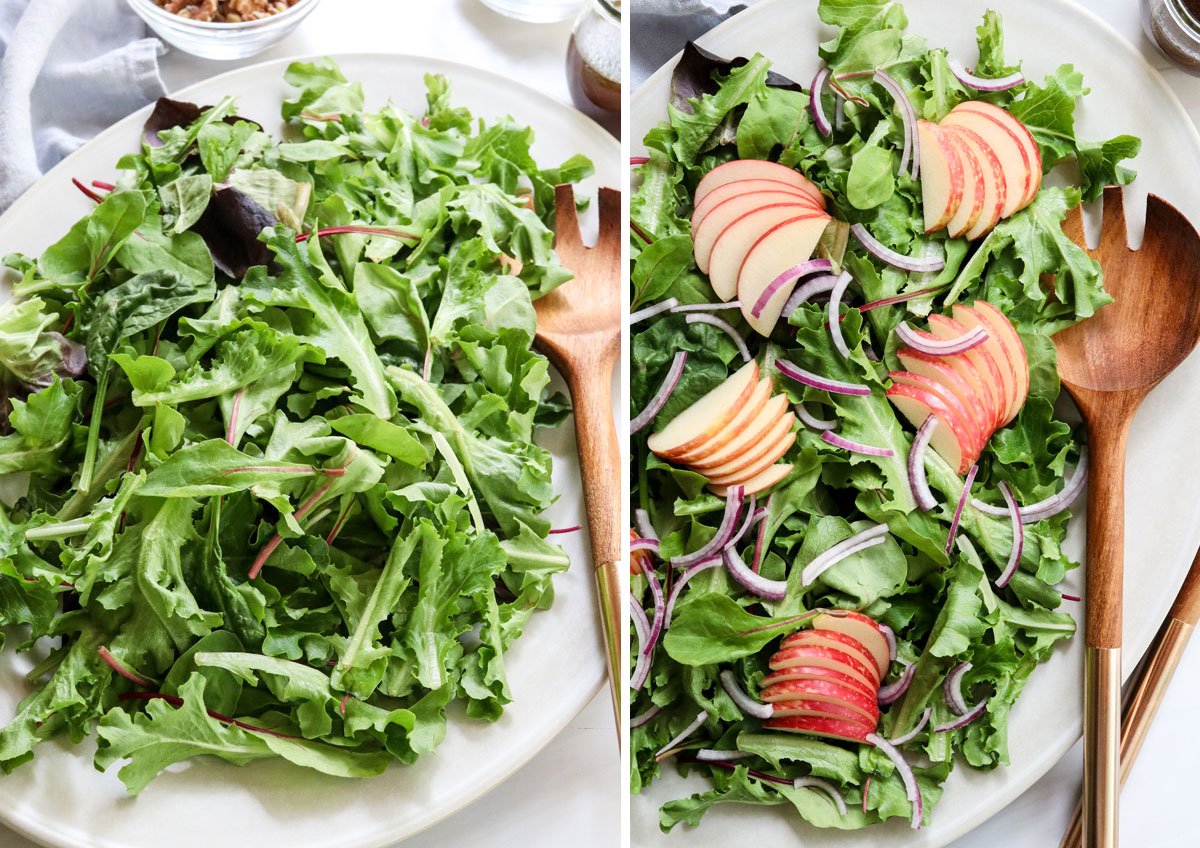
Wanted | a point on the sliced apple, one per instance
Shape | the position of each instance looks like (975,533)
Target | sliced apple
(760,188)
(826,638)
(995,185)
(942,370)
(990,372)
(968,435)
(814,672)
(758,484)
(1012,143)
(974,190)
(813,656)
(822,728)
(781,247)
(1002,327)
(740,473)
(997,346)
(815,709)
(949,439)
(822,690)
(864,630)
(714,225)
(752,434)
(706,417)
(734,243)
(754,169)
(942,176)
(754,452)
(746,417)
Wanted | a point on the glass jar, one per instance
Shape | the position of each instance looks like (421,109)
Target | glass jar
(594,63)
(1174,27)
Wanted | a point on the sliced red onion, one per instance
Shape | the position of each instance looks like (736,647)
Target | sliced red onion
(1049,507)
(826,786)
(968,717)
(835,315)
(645,528)
(652,310)
(752,515)
(791,275)
(707,307)
(808,378)
(752,581)
(656,597)
(639,720)
(866,791)
(952,689)
(854,447)
(1067,597)
(912,734)
(839,113)
(810,289)
(726,327)
(683,734)
(733,509)
(916,465)
(814,101)
(958,510)
(641,626)
(709,755)
(890,635)
(983,83)
(837,553)
(744,702)
(889,693)
(908,117)
(1018,533)
(638,160)
(761,537)
(911,789)
(899,298)
(885,254)
(813,421)
(682,580)
(664,392)
(650,545)
(973,338)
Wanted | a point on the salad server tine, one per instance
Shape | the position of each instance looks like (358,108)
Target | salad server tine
(579,331)
(1143,700)
(1109,364)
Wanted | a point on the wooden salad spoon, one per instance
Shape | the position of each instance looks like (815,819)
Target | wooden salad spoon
(579,331)
(1109,363)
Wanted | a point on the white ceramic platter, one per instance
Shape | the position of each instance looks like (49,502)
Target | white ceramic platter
(1162,530)
(554,670)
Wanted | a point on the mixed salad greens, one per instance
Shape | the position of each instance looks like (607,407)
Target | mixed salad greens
(942,604)
(275,403)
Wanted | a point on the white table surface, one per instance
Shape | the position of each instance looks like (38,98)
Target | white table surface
(570,793)
(1158,804)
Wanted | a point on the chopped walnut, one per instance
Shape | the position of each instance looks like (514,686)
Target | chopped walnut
(225,11)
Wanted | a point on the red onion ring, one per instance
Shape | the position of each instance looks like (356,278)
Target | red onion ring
(1067,597)
(639,720)
(681,581)
(952,689)
(752,515)
(835,554)
(744,702)
(650,545)
(839,113)
(791,275)
(835,317)
(812,288)
(890,635)
(1018,531)
(973,338)
(814,101)
(652,310)
(656,597)
(912,734)
(911,789)
(808,378)
(908,118)
(645,528)
(664,392)
(890,693)
(641,627)
(916,465)
(733,509)
(761,537)
(972,714)
(826,786)
(638,160)
(1052,505)
(683,734)
(885,254)
(866,791)
(983,83)
(707,307)
(752,581)
(854,447)
(813,421)
(958,510)
(722,324)
(710,755)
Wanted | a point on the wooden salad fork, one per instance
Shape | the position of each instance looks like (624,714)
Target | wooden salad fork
(1109,363)
(579,331)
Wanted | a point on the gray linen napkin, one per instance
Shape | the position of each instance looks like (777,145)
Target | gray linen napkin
(68,69)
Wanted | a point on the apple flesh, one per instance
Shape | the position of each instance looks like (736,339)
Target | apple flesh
(707,416)
(996,346)
(739,472)
(733,244)
(1002,327)
(995,184)
(970,208)
(815,709)
(823,728)
(774,443)
(940,369)
(826,638)
(970,438)
(757,484)
(777,249)
(706,233)
(754,169)
(811,656)
(1012,142)
(864,630)
(988,370)
(822,690)
(916,404)
(747,417)
(760,188)
(942,176)
(815,672)
(752,434)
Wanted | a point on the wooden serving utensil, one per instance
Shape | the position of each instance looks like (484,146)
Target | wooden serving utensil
(1109,363)
(579,331)
(1143,700)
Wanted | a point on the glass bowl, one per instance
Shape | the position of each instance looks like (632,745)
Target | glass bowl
(221,41)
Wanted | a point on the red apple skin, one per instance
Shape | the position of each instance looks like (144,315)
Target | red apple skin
(739,238)
(761,483)
(864,630)
(755,432)
(754,407)
(840,661)
(965,216)
(1019,132)
(708,231)
(721,419)
(999,322)
(752,469)
(815,709)
(969,436)
(916,404)
(944,327)
(743,169)
(755,452)
(939,156)
(825,638)
(822,690)
(845,731)
(1000,346)
(763,188)
(813,672)
(994,181)
(941,370)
